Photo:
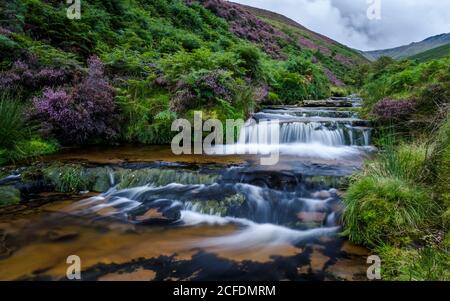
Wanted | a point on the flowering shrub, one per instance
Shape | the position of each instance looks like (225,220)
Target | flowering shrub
(393,110)
(332,78)
(214,85)
(29,75)
(86,112)
(304,42)
(247,26)
(343,60)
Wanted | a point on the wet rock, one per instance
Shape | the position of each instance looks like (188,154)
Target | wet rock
(161,213)
(9,195)
(138,275)
(314,217)
(101,179)
(352,249)
(344,103)
(61,235)
(231,205)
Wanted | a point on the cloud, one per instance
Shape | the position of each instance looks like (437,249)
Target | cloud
(402,21)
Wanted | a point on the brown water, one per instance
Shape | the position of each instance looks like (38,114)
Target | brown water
(200,218)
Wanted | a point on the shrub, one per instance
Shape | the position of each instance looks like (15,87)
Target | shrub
(392,111)
(86,113)
(203,91)
(30,76)
(432,97)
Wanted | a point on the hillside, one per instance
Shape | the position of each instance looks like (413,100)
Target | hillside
(432,54)
(411,49)
(333,55)
(153,61)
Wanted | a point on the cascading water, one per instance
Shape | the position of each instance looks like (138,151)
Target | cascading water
(250,197)
(335,129)
(281,215)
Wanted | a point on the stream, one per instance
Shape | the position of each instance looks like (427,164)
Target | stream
(191,217)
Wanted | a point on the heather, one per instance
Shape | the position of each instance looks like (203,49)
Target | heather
(125,70)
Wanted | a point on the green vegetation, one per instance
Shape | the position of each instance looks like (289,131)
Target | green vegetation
(406,79)
(19,139)
(158,60)
(432,54)
(9,196)
(398,205)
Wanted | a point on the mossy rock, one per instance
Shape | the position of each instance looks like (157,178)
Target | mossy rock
(9,195)
(99,179)
(67,178)
(221,208)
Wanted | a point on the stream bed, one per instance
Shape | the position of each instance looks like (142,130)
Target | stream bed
(195,217)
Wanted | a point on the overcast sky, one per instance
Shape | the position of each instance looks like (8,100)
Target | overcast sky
(402,21)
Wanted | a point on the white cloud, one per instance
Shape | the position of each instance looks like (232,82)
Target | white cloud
(402,21)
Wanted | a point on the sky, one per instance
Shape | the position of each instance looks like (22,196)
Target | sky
(346,21)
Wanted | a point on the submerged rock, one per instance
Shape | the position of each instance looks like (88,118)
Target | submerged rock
(9,195)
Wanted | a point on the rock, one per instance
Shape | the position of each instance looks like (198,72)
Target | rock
(327,103)
(9,195)
(323,194)
(101,179)
(307,217)
(61,235)
(162,212)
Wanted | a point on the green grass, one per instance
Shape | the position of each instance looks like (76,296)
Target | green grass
(432,54)
(426,264)
(386,209)
(13,126)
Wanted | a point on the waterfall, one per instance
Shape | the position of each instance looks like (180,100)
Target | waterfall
(333,133)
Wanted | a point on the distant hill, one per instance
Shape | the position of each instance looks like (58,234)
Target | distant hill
(411,49)
(435,53)
(337,59)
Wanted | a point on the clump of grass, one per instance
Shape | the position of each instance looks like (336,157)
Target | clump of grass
(386,209)
(18,137)
(67,178)
(389,200)
(13,126)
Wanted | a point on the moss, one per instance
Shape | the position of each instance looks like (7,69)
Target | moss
(9,196)
(220,207)
(158,177)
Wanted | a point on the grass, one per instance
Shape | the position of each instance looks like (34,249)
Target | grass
(426,264)
(18,138)
(13,126)
(386,209)
(432,54)
(389,200)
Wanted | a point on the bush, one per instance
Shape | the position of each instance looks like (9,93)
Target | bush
(393,111)
(86,113)
(386,210)
(432,97)
(29,75)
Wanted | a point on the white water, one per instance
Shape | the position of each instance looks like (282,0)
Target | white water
(266,208)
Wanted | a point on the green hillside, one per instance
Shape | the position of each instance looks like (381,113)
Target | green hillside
(153,61)
(432,54)
(411,49)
